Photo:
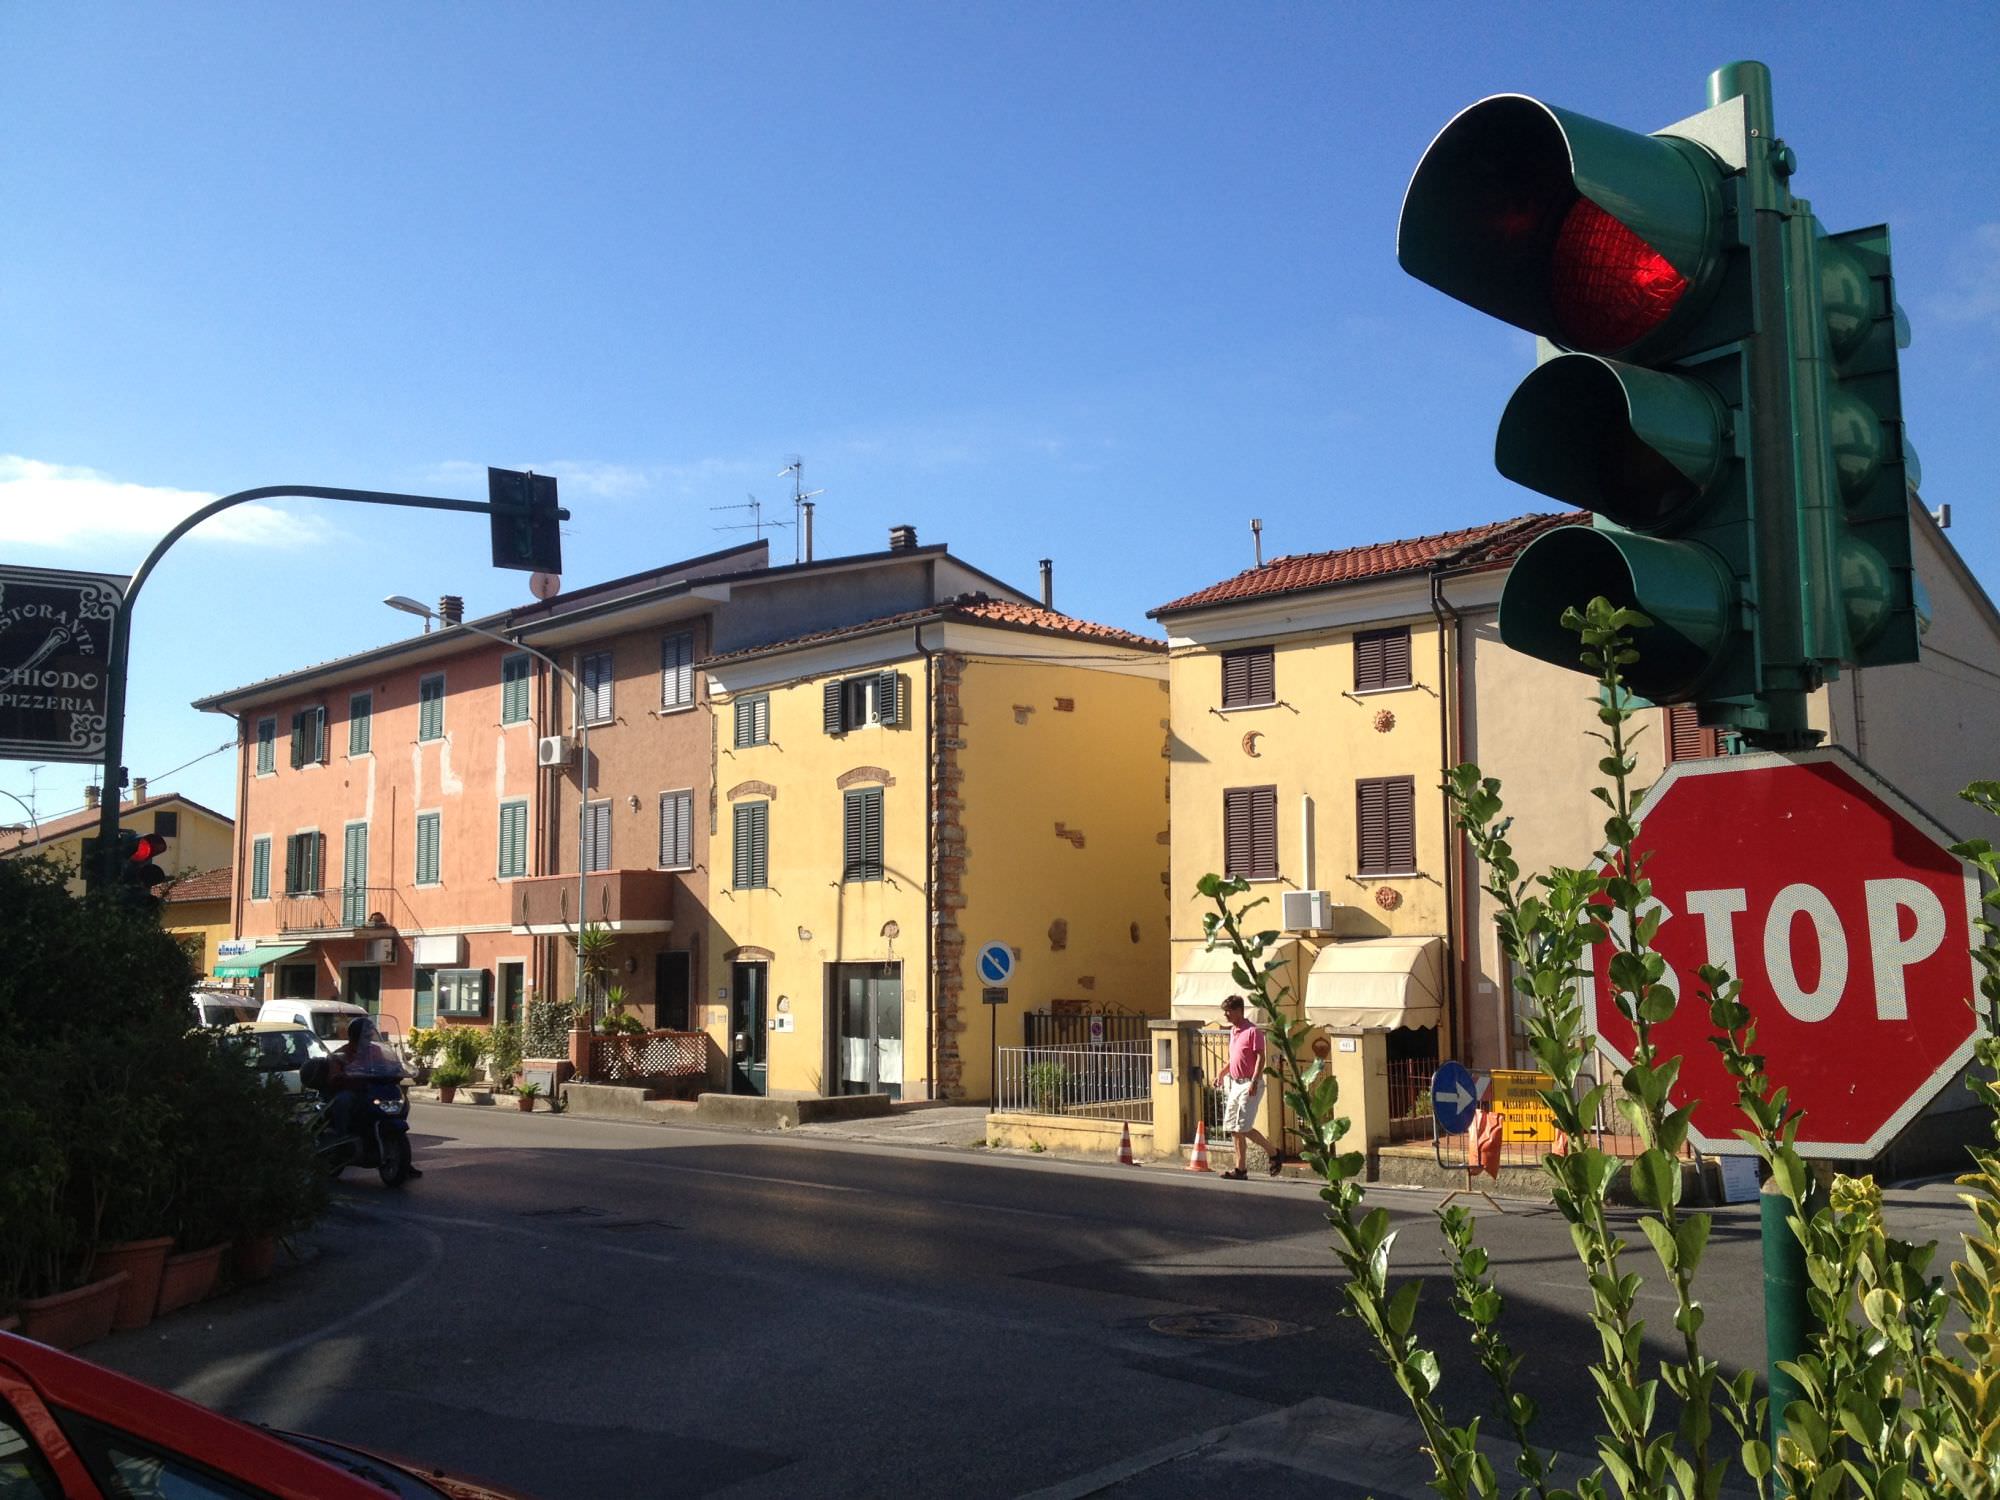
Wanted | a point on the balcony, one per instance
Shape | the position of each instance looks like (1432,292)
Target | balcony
(352,911)
(618,900)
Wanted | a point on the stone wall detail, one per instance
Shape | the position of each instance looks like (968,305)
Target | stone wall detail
(949,852)
(753,789)
(859,774)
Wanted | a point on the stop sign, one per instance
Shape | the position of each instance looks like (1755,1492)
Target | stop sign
(1849,921)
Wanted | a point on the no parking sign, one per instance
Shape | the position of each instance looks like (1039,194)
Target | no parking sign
(996,963)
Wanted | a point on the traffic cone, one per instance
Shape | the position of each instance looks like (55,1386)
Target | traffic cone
(1125,1146)
(1198,1162)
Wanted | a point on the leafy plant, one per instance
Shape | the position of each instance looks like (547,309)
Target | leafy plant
(503,1052)
(451,1075)
(595,963)
(548,1026)
(425,1044)
(1046,1081)
(528,1090)
(463,1047)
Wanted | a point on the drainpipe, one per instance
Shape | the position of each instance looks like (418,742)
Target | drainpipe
(930,865)
(242,831)
(1451,752)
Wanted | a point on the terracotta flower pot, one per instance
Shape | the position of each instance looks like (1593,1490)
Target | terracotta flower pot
(142,1261)
(447,1092)
(255,1255)
(188,1278)
(69,1320)
(527,1103)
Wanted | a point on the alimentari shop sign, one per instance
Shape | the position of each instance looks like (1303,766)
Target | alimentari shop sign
(55,661)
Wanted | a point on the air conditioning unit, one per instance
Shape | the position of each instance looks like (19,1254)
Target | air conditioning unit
(554,750)
(381,950)
(1308,911)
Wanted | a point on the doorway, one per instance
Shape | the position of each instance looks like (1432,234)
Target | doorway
(746,1028)
(297,981)
(867,1003)
(673,989)
(361,984)
(513,988)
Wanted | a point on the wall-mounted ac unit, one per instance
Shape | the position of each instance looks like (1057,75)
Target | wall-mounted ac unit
(554,750)
(1308,911)
(381,950)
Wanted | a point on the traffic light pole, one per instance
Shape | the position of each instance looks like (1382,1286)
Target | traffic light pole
(121,633)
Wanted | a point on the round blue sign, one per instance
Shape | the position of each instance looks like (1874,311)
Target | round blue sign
(1454,1097)
(996,963)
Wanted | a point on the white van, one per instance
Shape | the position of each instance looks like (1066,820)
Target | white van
(220,1008)
(328,1019)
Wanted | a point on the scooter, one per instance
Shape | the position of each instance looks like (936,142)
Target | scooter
(378,1129)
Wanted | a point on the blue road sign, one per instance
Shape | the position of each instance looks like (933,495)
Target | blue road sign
(996,963)
(1454,1097)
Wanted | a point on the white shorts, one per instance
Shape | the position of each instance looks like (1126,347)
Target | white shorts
(1240,1098)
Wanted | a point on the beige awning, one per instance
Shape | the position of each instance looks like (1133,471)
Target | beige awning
(1202,981)
(1375,983)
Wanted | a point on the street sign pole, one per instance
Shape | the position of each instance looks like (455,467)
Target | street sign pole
(121,632)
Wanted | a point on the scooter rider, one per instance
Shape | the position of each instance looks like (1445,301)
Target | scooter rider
(363,1061)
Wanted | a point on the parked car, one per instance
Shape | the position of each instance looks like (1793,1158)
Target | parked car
(278,1049)
(72,1429)
(329,1019)
(220,1008)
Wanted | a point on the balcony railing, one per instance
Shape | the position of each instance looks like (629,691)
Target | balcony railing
(622,900)
(342,910)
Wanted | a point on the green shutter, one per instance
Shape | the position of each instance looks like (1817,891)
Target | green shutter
(267,745)
(260,870)
(426,999)
(354,876)
(430,708)
(360,723)
(752,861)
(862,835)
(513,838)
(298,739)
(830,714)
(513,689)
(889,697)
(428,851)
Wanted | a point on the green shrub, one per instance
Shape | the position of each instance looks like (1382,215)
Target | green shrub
(464,1046)
(547,1032)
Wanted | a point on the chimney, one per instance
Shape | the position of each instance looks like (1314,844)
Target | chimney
(138,789)
(902,538)
(451,609)
(1048,583)
(90,796)
(1257,540)
(806,520)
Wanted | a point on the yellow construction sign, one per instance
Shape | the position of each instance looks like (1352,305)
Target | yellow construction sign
(1515,1097)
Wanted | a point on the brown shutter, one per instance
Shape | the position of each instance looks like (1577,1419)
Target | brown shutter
(1263,685)
(1372,826)
(1686,739)
(1367,662)
(1382,659)
(1235,832)
(1235,678)
(1264,833)
(1400,799)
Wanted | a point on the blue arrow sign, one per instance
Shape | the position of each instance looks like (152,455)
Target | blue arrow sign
(996,963)
(1454,1097)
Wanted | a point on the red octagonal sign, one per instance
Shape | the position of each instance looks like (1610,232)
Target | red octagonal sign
(1849,921)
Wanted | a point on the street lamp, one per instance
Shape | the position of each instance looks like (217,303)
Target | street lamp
(424,612)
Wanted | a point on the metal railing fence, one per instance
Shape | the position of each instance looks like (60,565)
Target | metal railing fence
(1102,1029)
(1093,1083)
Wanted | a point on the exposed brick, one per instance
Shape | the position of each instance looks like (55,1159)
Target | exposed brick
(1164,836)
(1021,712)
(752,789)
(1086,981)
(1065,705)
(847,779)
(1058,935)
(1074,835)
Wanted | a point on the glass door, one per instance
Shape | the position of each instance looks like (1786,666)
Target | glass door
(746,1029)
(868,1045)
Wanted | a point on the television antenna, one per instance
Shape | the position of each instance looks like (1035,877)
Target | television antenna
(802,509)
(755,524)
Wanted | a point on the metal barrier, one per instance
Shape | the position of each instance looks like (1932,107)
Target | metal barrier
(649,1056)
(1093,1083)
(1112,1029)
(1526,1142)
(1410,1117)
(1211,1061)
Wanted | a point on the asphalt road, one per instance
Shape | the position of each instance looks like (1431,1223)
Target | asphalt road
(587,1309)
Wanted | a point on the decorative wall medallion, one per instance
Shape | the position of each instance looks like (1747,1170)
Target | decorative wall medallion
(892,930)
(1384,721)
(1388,898)
(1250,742)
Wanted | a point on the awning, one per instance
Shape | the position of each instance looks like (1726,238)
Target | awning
(1376,983)
(1202,981)
(250,965)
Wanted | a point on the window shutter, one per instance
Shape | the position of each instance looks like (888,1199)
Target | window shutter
(1367,662)
(1401,802)
(291,863)
(830,700)
(1236,857)
(298,739)
(513,689)
(354,857)
(677,670)
(752,862)
(260,869)
(319,734)
(853,851)
(1235,678)
(1263,683)
(1686,739)
(1264,833)
(889,701)
(871,833)
(1371,821)
(267,745)
(1386,819)
(317,846)
(1382,659)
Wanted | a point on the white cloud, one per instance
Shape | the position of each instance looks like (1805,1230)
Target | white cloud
(593,480)
(65,505)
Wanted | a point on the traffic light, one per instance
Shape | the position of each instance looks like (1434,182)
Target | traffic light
(526,530)
(138,875)
(1692,394)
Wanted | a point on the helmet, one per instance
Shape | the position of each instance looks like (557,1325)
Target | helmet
(360,1029)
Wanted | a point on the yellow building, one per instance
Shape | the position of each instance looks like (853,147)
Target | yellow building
(1317,700)
(194,909)
(892,796)
(198,838)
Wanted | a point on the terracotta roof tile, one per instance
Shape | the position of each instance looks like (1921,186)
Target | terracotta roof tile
(23,835)
(1476,546)
(205,885)
(977,609)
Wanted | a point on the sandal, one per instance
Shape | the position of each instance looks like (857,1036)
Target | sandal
(1278,1159)
(1234,1174)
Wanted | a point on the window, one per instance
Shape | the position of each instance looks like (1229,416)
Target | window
(461,992)
(597,836)
(513,839)
(27,1473)
(122,1464)
(430,707)
(1385,815)
(856,702)
(305,859)
(514,688)
(430,854)
(260,868)
(1381,659)
(1686,739)
(167,824)
(677,670)
(308,737)
(360,723)
(267,746)
(753,846)
(676,830)
(861,841)
(1250,832)
(1247,678)
(597,688)
(753,721)
(354,877)
(424,992)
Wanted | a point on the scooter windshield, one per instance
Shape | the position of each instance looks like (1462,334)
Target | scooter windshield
(373,1060)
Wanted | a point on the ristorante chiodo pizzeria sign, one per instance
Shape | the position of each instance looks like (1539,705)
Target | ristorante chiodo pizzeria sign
(55,661)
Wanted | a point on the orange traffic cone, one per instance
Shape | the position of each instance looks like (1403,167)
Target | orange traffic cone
(1198,1162)
(1125,1146)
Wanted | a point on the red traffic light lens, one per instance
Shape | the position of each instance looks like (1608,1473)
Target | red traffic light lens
(149,846)
(1610,288)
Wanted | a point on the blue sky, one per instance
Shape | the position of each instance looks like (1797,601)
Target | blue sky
(1094,281)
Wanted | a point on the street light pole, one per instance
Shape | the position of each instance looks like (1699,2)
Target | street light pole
(574,681)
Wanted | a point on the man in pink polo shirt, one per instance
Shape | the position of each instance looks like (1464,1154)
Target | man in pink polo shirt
(1243,1089)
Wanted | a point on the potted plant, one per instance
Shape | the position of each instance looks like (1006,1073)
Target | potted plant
(450,1077)
(525,1094)
(503,1053)
(425,1042)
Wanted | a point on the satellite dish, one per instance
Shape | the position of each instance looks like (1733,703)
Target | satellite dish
(544,585)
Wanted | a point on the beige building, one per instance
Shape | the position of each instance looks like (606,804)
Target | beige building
(198,838)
